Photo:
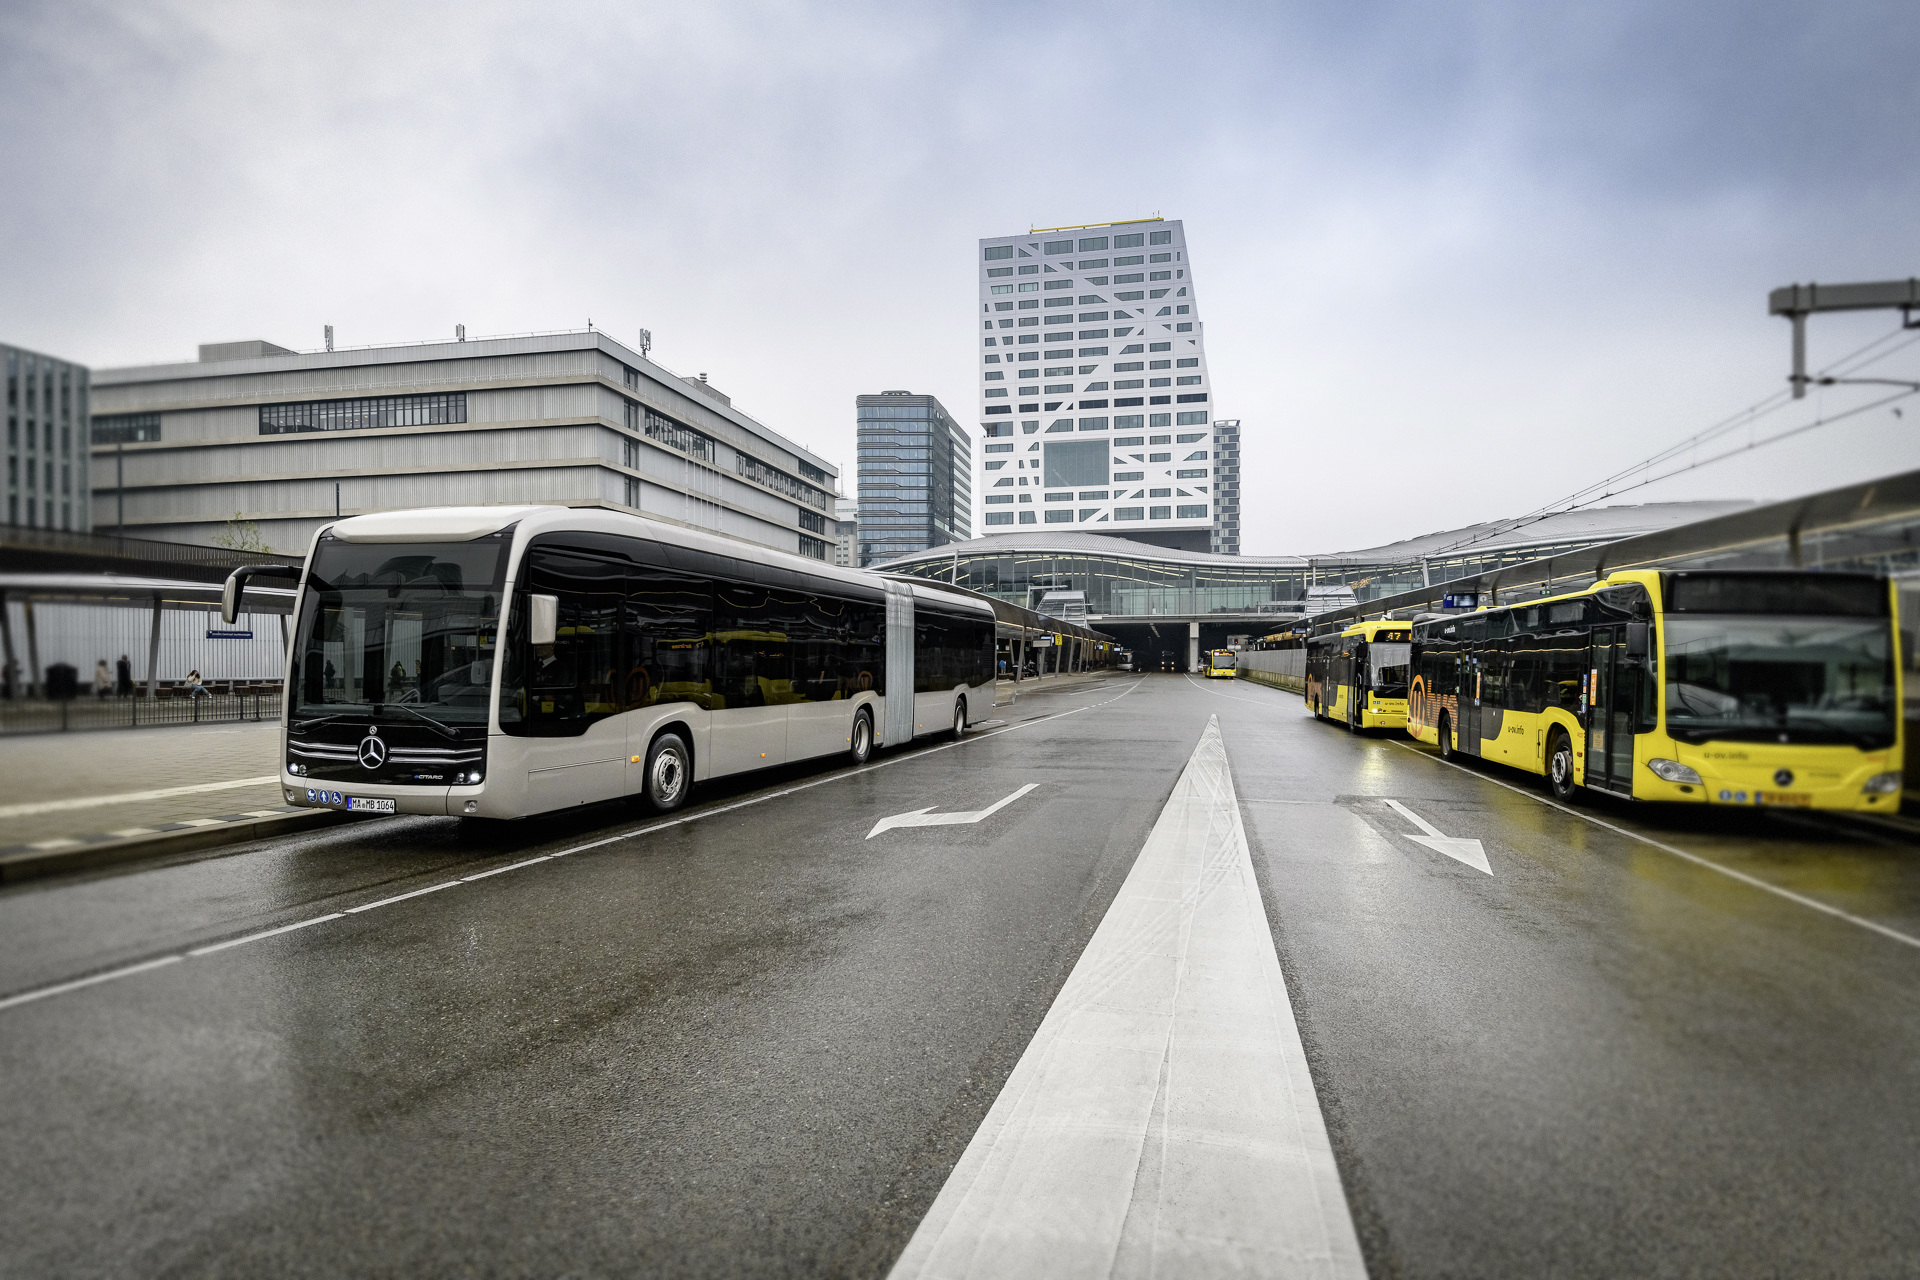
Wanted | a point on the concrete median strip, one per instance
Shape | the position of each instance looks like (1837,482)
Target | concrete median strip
(1163,1120)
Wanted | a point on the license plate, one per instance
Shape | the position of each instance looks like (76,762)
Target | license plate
(369,804)
(1797,799)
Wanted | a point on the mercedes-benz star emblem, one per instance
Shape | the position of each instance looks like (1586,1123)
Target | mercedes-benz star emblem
(1783,778)
(373,752)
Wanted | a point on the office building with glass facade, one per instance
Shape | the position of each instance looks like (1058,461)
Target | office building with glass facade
(1095,401)
(915,471)
(46,441)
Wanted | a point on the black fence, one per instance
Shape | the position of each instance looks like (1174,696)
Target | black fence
(224,706)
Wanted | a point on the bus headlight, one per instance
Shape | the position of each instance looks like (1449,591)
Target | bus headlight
(296,769)
(1882,784)
(1673,771)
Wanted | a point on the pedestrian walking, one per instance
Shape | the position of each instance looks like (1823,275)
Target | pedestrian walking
(102,680)
(123,682)
(195,689)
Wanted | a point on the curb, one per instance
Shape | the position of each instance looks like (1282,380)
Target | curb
(81,853)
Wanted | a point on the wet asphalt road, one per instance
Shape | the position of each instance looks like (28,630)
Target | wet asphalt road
(755,1043)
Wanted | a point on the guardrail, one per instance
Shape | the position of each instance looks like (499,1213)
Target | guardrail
(21,716)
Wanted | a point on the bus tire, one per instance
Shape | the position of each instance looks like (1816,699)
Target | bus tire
(669,773)
(860,743)
(1446,736)
(959,719)
(1560,765)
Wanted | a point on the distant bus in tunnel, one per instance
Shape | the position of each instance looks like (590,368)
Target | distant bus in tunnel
(1221,664)
(1705,687)
(503,661)
(1359,677)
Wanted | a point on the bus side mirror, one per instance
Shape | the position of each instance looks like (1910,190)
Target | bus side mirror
(233,593)
(1637,639)
(543,619)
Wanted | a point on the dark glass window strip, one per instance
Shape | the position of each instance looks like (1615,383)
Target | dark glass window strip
(437,409)
(674,436)
(780,482)
(125,428)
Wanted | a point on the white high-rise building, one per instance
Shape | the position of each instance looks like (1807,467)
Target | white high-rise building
(1094,395)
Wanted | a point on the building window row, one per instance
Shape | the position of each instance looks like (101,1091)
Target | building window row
(126,428)
(440,408)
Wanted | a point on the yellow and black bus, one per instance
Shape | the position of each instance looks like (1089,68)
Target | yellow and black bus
(1715,687)
(1221,664)
(1359,677)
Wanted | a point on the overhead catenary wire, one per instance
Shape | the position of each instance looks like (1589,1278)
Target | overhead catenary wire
(1613,486)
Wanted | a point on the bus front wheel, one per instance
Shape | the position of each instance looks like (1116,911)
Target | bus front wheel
(1446,736)
(1560,765)
(669,773)
(959,719)
(861,745)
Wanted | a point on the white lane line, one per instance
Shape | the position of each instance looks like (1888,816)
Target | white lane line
(61,988)
(401,897)
(1163,1120)
(927,818)
(1234,697)
(512,866)
(264,933)
(128,797)
(1813,904)
(1459,848)
(41,993)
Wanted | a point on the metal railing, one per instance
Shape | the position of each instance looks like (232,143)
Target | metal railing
(39,715)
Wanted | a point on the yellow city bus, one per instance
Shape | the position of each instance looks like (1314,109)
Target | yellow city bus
(1220,664)
(1359,677)
(1704,687)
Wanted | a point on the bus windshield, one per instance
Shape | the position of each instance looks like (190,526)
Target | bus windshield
(1780,678)
(410,625)
(1390,663)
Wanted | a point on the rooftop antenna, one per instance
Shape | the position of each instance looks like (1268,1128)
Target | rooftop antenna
(459,333)
(329,337)
(646,342)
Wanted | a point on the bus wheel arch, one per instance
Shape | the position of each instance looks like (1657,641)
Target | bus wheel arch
(860,736)
(1559,764)
(668,775)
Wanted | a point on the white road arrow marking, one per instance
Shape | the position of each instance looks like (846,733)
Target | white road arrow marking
(1459,848)
(925,818)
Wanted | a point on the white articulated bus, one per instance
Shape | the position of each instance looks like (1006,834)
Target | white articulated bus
(496,662)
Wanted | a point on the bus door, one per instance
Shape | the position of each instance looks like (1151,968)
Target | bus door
(1467,735)
(1610,712)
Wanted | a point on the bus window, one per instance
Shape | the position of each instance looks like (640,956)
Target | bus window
(667,620)
(557,690)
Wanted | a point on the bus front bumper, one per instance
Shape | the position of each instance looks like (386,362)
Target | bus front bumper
(1757,777)
(380,798)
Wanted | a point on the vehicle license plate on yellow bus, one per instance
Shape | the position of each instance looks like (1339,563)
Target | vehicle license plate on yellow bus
(1798,799)
(369,804)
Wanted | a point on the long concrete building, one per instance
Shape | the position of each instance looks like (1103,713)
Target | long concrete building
(289,440)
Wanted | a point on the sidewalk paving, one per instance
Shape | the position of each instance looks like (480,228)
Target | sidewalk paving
(80,785)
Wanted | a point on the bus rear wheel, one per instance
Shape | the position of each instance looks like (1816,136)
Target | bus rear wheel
(959,719)
(669,774)
(1446,736)
(860,747)
(1560,765)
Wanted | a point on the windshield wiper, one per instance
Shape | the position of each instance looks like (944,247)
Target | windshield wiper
(445,730)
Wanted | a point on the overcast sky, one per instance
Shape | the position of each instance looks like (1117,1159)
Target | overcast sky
(1455,260)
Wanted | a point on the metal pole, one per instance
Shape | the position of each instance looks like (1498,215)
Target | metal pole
(33,649)
(153,656)
(336,500)
(6,636)
(119,489)
(1799,355)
